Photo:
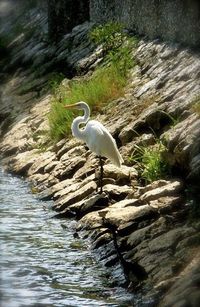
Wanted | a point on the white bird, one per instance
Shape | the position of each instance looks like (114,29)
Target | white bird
(96,136)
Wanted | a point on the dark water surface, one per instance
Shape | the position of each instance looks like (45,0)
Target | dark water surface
(41,263)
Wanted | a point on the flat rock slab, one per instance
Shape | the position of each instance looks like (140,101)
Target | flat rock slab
(117,192)
(167,203)
(71,185)
(117,214)
(91,203)
(43,160)
(67,168)
(170,189)
(56,190)
(169,239)
(22,162)
(122,175)
(75,196)
(90,221)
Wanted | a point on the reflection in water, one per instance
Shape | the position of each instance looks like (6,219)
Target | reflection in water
(41,262)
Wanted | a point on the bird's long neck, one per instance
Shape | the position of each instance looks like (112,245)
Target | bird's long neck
(77,132)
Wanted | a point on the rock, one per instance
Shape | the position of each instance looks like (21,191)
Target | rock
(90,221)
(74,197)
(64,146)
(117,214)
(90,61)
(15,140)
(127,202)
(88,168)
(67,169)
(21,163)
(138,236)
(71,185)
(167,203)
(67,153)
(75,47)
(170,189)
(41,163)
(150,117)
(194,166)
(180,141)
(59,145)
(155,247)
(27,121)
(146,87)
(117,192)
(91,203)
(63,189)
(185,288)
(127,151)
(50,166)
(122,175)
(42,181)
(154,185)
(169,239)
(56,190)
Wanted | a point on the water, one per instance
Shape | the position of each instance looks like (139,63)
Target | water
(42,264)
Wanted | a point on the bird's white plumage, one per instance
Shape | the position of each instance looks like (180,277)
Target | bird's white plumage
(100,141)
(96,136)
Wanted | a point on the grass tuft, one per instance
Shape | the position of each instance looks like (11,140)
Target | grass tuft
(150,162)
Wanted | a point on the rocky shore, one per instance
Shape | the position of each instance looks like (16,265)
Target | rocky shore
(146,234)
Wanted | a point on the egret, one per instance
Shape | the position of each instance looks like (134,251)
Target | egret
(96,136)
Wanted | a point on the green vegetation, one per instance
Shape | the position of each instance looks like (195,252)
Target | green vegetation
(110,35)
(150,162)
(59,121)
(54,81)
(116,45)
(106,83)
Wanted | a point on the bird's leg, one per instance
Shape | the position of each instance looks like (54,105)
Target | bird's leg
(100,184)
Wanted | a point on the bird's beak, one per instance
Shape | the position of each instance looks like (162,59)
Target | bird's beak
(70,106)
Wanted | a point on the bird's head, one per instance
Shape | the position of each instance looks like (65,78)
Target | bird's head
(81,105)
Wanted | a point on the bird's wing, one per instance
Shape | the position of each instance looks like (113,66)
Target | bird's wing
(94,135)
(100,141)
